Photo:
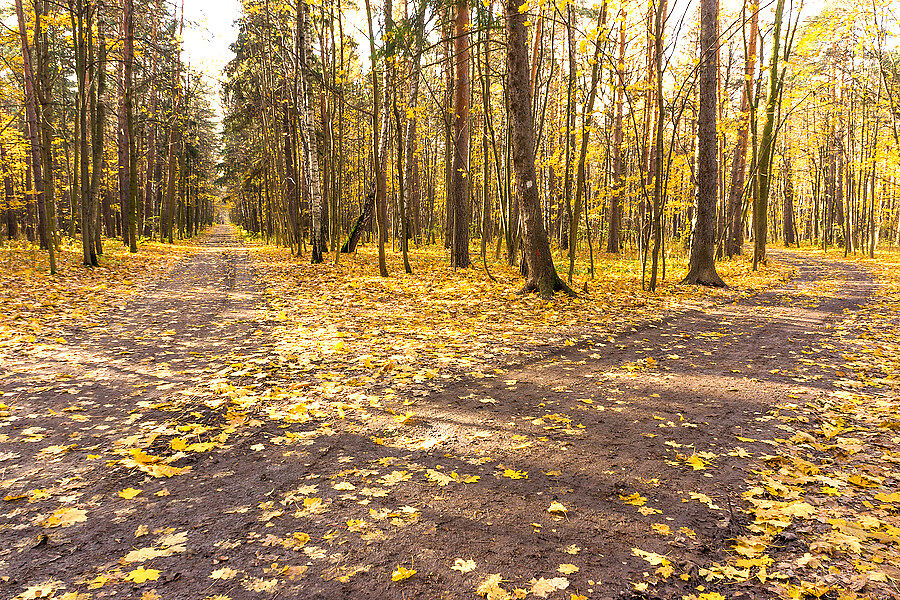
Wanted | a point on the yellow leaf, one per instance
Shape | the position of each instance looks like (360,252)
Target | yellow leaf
(513,474)
(140,575)
(696,462)
(463,566)
(65,517)
(401,573)
(178,444)
(438,477)
(567,568)
(556,508)
(634,499)
(661,528)
(129,493)
(201,446)
(651,557)
(223,573)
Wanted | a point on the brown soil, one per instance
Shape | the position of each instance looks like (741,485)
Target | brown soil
(586,425)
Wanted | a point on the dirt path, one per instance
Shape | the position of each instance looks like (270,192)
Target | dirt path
(314,503)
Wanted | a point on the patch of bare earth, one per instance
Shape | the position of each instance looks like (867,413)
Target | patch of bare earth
(184,452)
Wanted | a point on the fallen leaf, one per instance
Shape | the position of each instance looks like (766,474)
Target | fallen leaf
(544,587)
(556,508)
(140,575)
(66,517)
(401,573)
(223,573)
(463,566)
(129,493)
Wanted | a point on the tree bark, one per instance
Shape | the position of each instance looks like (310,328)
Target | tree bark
(541,272)
(734,241)
(127,166)
(702,266)
(585,138)
(616,197)
(789,227)
(766,147)
(380,183)
(32,117)
(311,173)
(459,185)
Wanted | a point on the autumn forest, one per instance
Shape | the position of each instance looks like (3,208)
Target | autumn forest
(420,299)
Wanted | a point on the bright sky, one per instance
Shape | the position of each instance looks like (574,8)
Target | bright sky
(209,29)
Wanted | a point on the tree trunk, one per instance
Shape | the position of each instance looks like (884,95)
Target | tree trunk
(766,147)
(127,166)
(459,184)
(585,138)
(702,266)
(32,116)
(541,272)
(734,241)
(617,195)
(789,227)
(380,183)
(311,174)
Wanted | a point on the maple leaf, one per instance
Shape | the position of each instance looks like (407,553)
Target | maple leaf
(43,590)
(140,575)
(142,555)
(513,474)
(634,499)
(65,517)
(696,462)
(223,573)
(401,573)
(651,557)
(437,477)
(567,568)
(129,493)
(661,528)
(544,587)
(557,508)
(463,566)
(395,477)
(257,584)
(490,588)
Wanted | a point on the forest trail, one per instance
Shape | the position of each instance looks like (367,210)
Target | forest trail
(150,457)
